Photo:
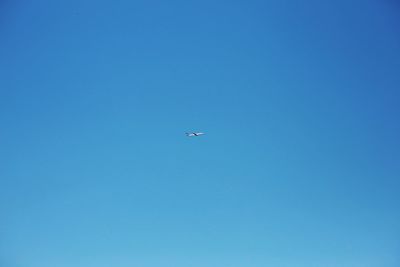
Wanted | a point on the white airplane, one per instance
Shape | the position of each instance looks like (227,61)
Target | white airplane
(193,134)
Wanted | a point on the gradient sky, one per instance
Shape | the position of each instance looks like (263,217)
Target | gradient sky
(300,165)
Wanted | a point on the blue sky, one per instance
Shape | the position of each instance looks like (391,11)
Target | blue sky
(300,102)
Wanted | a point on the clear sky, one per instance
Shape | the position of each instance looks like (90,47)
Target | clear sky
(300,165)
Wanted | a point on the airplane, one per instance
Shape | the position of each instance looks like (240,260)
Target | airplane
(193,134)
